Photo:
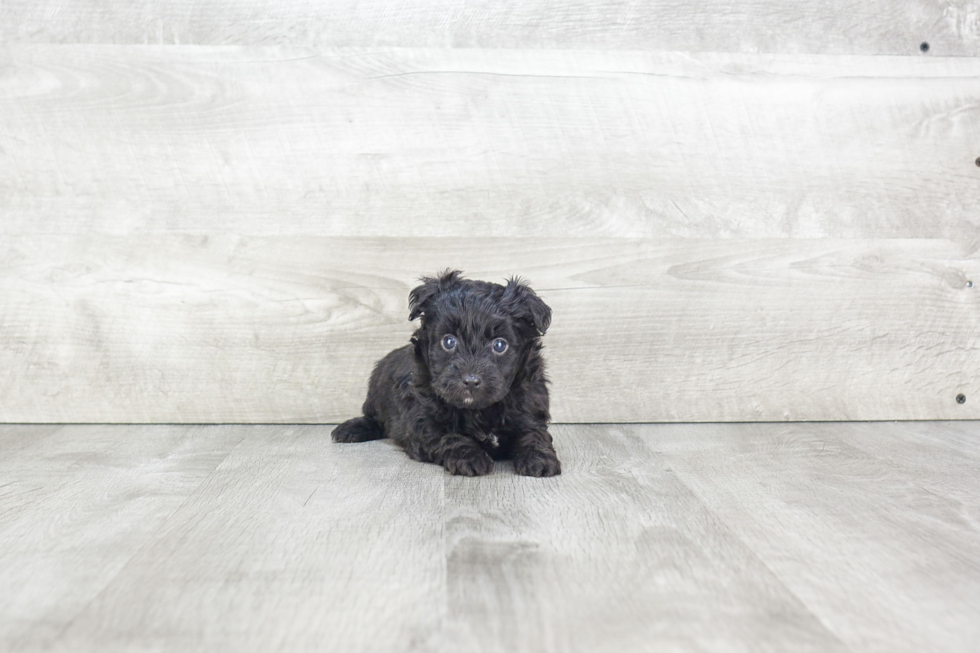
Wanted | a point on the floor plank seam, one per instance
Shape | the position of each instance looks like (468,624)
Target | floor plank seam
(150,540)
(751,551)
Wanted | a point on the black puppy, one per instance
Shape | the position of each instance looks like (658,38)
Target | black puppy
(471,386)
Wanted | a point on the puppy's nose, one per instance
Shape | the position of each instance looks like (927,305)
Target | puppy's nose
(471,381)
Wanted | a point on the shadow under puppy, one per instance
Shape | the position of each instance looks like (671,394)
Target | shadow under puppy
(470,388)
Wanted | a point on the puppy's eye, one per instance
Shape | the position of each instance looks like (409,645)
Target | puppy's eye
(499,346)
(448,343)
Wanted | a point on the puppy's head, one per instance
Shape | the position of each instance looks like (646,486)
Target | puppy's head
(475,336)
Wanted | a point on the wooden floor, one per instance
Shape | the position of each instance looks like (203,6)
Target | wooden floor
(738,537)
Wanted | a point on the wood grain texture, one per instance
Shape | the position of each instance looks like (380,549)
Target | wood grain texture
(850,27)
(719,538)
(648,568)
(942,461)
(77,503)
(292,543)
(812,502)
(477,143)
(285,329)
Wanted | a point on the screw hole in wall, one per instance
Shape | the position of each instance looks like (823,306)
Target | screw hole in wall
(978,161)
(924,46)
(961,399)
(969,284)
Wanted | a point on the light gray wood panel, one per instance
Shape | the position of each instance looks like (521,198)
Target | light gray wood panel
(286,329)
(615,554)
(884,562)
(293,544)
(17,438)
(77,503)
(416,142)
(710,537)
(853,26)
(943,459)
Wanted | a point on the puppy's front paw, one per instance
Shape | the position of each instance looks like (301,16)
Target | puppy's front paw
(534,462)
(474,462)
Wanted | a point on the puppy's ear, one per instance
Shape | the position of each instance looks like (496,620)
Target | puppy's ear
(524,304)
(420,299)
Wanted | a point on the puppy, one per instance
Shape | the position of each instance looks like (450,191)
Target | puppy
(470,388)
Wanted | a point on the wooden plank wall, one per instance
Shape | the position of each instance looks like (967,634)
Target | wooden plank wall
(213,212)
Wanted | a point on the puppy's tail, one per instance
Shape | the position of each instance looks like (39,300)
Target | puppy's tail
(359,429)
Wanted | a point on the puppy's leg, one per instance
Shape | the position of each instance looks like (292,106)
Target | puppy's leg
(459,454)
(464,457)
(359,429)
(534,454)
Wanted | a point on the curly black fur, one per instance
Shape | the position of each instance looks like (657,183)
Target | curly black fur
(464,403)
